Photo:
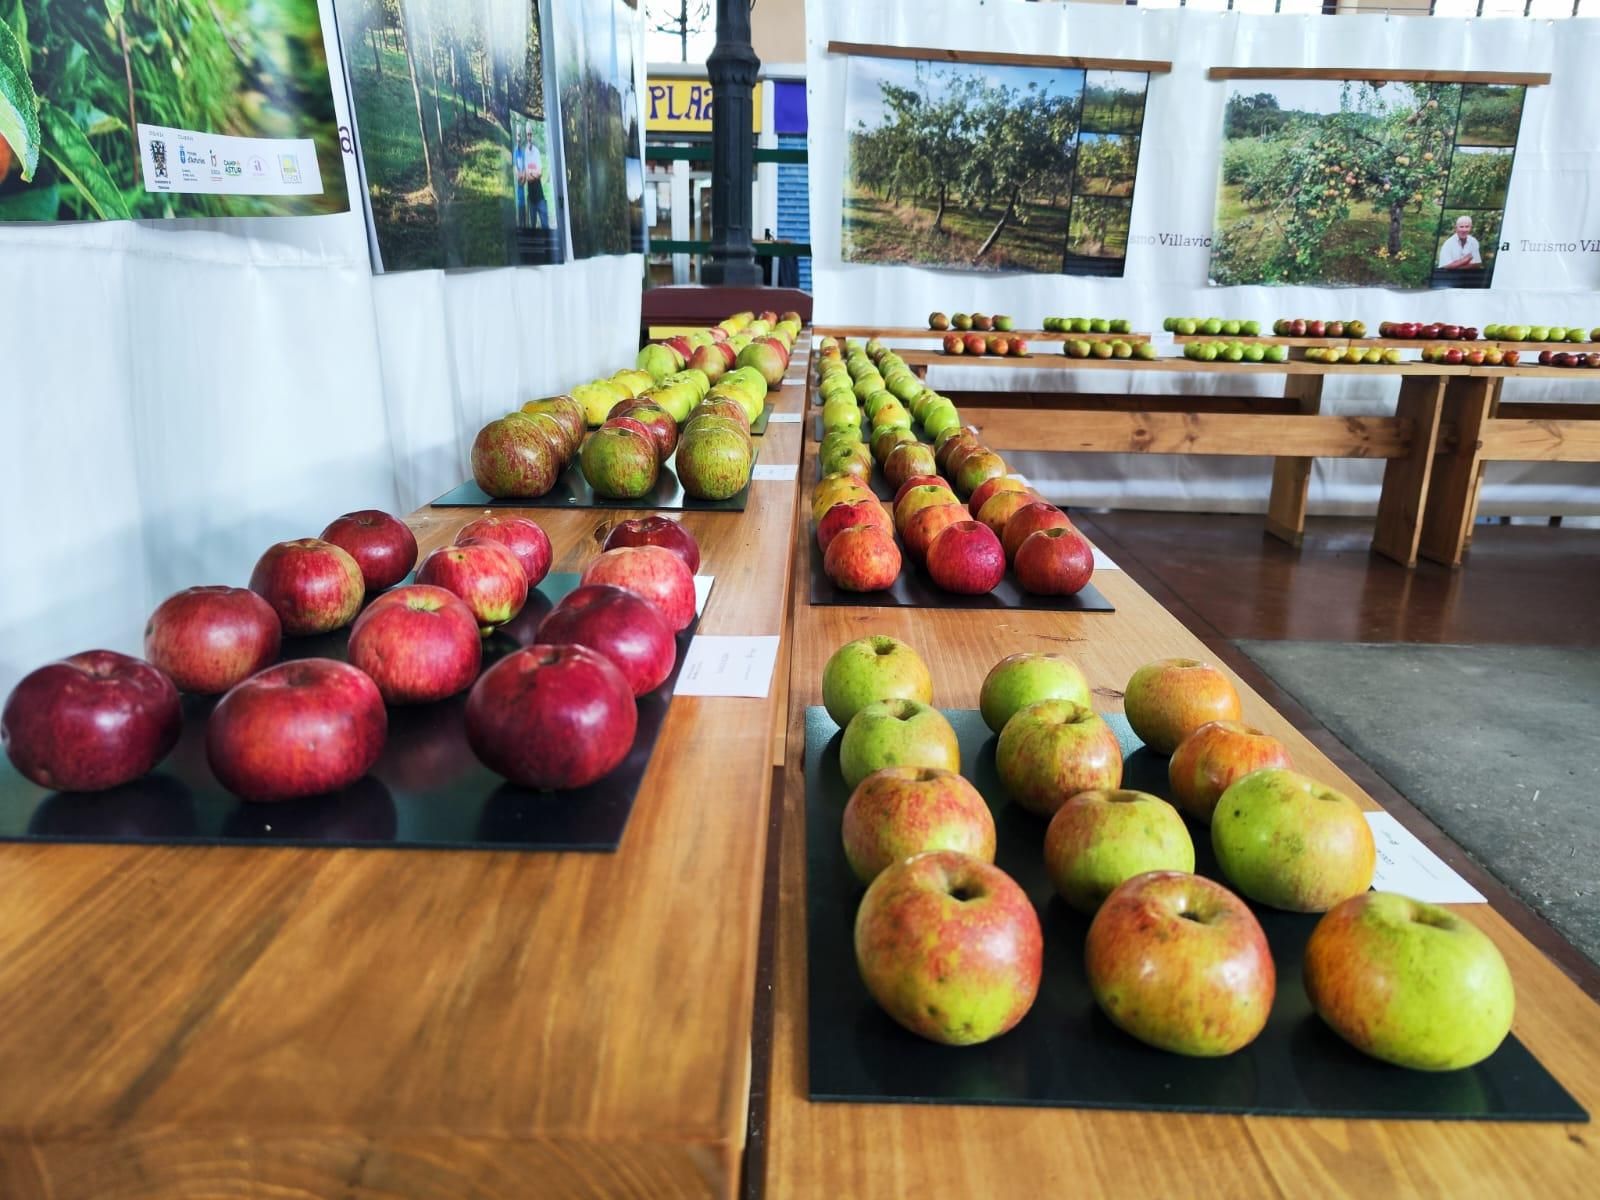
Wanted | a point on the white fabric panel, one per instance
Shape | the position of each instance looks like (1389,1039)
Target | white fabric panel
(1552,200)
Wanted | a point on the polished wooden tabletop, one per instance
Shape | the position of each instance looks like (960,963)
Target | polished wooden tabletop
(199,1022)
(870,1151)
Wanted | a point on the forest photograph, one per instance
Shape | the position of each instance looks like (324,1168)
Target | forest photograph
(78,77)
(594,70)
(1340,182)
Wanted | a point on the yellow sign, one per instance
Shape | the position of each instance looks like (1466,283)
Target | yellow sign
(684,106)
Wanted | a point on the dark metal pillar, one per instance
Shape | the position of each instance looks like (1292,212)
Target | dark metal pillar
(732,67)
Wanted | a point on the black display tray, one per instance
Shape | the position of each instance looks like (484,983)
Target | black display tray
(427,791)
(1065,1053)
(572,490)
(914,589)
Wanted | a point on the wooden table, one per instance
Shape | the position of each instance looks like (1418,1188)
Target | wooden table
(871,1151)
(198,1022)
(914,333)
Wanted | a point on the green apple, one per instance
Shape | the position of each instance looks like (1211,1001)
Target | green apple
(1233,352)
(1170,325)
(1250,328)
(1254,352)
(632,381)
(1004,324)
(904,386)
(1277,354)
(1098,840)
(1206,352)
(891,416)
(1286,840)
(699,380)
(1211,326)
(896,733)
(875,401)
(873,668)
(659,360)
(1078,348)
(1082,325)
(840,414)
(598,399)
(1019,680)
(1410,983)
(1144,351)
(1121,349)
(1230,328)
(1537,333)
(1053,750)
(678,399)
(1186,326)
(1121,325)
(901,811)
(1099,325)
(1576,335)
(1101,349)
(940,418)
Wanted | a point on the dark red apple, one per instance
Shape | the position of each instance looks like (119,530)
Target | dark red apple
(521,536)
(1054,562)
(653,572)
(483,573)
(656,531)
(966,558)
(619,625)
(300,728)
(90,722)
(383,546)
(1030,520)
(207,639)
(313,585)
(418,644)
(552,717)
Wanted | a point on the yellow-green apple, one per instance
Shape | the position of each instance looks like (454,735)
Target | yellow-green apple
(852,513)
(1410,983)
(652,572)
(633,381)
(939,417)
(975,468)
(891,415)
(862,558)
(552,717)
(883,441)
(521,536)
(619,625)
(656,531)
(900,811)
(713,462)
(873,668)
(598,398)
(418,644)
(997,512)
(906,461)
(383,546)
(619,461)
(768,357)
(922,496)
(918,481)
(966,558)
(989,487)
(1099,840)
(655,420)
(896,733)
(485,574)
(514,458)
(659,360)
(206,639)
(847,460)
(313,585)
(1169,699)
(950,947)
(837,489)
(701,386)
(1288,841)
(705,423)
(928,523)
(1030,519)
(1054,749)
(840,414)
(1216,756)
(678,399)
(90,722)
(1019,680)
(300,728)
(1182,964)
(1054,562)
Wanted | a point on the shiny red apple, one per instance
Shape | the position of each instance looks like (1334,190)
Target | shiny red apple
(862,558)
(653,572)
(521,536)
(313,585)
(656,531)
(966,558)
(383,546)
(619,625)
(1032,519)
(484,573)
(418,644)
(1054,562)
(206,639)
(854,512)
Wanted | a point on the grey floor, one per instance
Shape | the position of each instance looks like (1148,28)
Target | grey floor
(1498,745)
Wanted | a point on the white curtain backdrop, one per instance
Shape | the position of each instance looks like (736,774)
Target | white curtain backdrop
(175,396)
(1553,199)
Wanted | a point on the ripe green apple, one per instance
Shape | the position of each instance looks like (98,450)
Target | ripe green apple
(1098,840)
(1169,699)
(1144,351)
(659,360)
(1409,983)
(901,811)
(895,733)
(1101,350)
(892,415)
(1019,680)
(1054,749)
(840,414)
(619,463)
(940,417)
(1187,326)
(883,441)
(1211,326)
(1277,354)
(975,468)
(873,668)
(1288,841)
(700,381)
(1254,352)
(848,460)
(904,385)
(1004,324)
(598,398)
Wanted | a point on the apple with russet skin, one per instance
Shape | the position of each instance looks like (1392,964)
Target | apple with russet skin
(1054,562)
(713,462)
(206,639)
(520,535)
(973,469)
(883,441)
(963,440)
(719,406)
(989,487)
(1169,699)
(556,430)
(896,733)
(918,481)
(938,321)
(1215,757)
(1099,840)
(418,644)
(922,496)
(620,626)
(901,811)
(1051,750)
(654,420)
(966,558)
(620,460)
(652,572)
(567,413)
(862,558)
(851,513)
(998,510)
(1030,519)
(300,728)
(854,460)
(928,523)
(1409,983)
(950,947)
(1019,680)
(907,460)
(551,717)
(485,574)
(1181,963)
(869,669)
(313,585)
(656,531)
(90,722)
(1286,840)
(513,458)
(383,546)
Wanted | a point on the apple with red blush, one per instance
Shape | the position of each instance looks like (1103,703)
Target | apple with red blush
(619,625)
(206,639)
(656,531)
(313,585)
(966,558)
(1054,562)
(418,643)
(485,574)
(521,536)
(652,572)
(383,546)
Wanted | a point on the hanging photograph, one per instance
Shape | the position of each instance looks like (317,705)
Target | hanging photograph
(180,108)
(1330,182)
(595,77)
(448,102)
(990,168)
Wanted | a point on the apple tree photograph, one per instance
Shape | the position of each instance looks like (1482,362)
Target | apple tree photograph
(990,168)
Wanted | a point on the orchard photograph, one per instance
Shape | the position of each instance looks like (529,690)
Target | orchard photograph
(1363,184)
(990,168)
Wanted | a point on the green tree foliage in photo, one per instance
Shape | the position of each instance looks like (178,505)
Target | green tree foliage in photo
(594,65)
(78,76)
(1478,180)
(1491,114)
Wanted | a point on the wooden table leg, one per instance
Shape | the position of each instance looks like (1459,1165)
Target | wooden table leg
(1447,510)
(1405,480)
(1291,477)
(1477,484)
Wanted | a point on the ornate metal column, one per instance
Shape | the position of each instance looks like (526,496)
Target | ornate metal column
(732,67)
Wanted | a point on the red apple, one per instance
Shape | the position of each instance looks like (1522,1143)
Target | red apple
(954,343)
(997,512)
(418,644)
(1511,357)
(922,496)
(552,717)
(656,531)
(484,573)
(90,722)
(976,343)
(1037,516)
(300,728)
(1054,562)
(999,483)
(312,585)
(654,420)
(908,460)
(520,535)
(966,558)
(928,523)
(655,573)
(619,625)
(1453,356)
(209,638)
(1216,756)
(862,558)
(843,516)
(515,458)
(383,546)
(899,811)
(1169,699)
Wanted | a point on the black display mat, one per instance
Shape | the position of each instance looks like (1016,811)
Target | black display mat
(1065,1053)
(914,589)
(759,425)
(427,791)
(572,490)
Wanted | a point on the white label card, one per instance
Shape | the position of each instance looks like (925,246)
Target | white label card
(1406,866)
(1102,562)
(728,666)
(784,418)
(187,161)
(702,592)
(775,472)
